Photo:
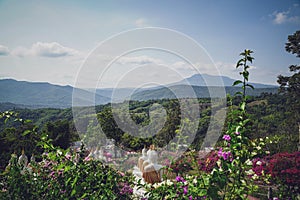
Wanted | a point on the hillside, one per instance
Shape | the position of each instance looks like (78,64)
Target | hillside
(211,80)
(184,91)
(40,95)
(45,95)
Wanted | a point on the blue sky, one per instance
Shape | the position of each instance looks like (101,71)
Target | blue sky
(49,41)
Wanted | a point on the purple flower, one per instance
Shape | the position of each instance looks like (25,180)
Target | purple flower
(52,174)
(180,179)
(126,189)
(227,137)
(220,152)
(226,155)
(185,190)
(191,197)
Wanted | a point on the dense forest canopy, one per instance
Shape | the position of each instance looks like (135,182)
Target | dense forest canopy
(270,115)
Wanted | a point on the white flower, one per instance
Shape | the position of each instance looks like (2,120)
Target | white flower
(219,163)
(168,182)
(258,162)
(156,185)
(248,162)
(255,177)
(258,148)
(195,181)
(249,172)
(59,152)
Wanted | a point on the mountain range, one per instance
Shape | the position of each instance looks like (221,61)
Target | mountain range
(38,95)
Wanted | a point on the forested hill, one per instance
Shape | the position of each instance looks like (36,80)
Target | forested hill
(184,91)
(40,95)
(269,114)
(45,95)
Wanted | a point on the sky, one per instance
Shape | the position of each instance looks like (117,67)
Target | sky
(107,43)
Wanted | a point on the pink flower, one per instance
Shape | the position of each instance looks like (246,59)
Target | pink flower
(220,152)
(237,133)
(68,156)
(180,179)
(227,137)
(225,155)
(86,159)
(185,190)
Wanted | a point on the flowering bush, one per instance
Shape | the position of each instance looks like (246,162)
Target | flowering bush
(230,178)
(284,169)
(188,187)
(182,165)
(209,162)
(63,174)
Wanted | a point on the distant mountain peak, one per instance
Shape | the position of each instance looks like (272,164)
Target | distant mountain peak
(213,80)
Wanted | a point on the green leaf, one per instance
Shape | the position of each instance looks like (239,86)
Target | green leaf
(26,132)
(84,195)
(69,179)
(240,63)
(67,168)
(5,121)
(74,182)
(250,86)
(73,192)
(246,75)
(238,93)
(237,82)
(27,121)
(243,105)
(250,59)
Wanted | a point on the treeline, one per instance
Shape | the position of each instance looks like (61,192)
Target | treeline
(270,115)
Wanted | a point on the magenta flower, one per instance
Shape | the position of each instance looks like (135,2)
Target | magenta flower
(126,189)
(227,137)
(220,152)
(185,190)
(180,179)
(225,155)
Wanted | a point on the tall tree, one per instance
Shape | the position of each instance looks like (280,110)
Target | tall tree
(290,85)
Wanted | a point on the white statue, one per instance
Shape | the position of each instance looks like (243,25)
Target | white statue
(23,160)
(142,159)
(151,171)
(147,161)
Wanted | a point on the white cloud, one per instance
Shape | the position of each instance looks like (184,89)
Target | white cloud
(52,49)
(21,52)
(284,17)
(139,60)
(141,22)
(280,17)
(44,49)
(3,50)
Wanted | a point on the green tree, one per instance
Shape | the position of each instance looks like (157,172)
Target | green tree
(59,132)
(290,85)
